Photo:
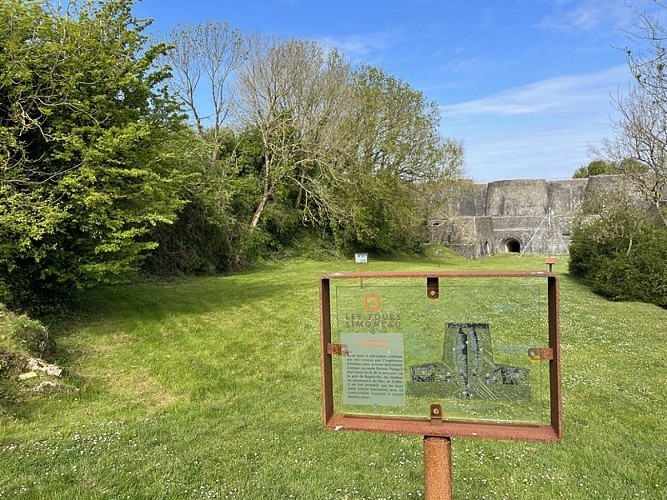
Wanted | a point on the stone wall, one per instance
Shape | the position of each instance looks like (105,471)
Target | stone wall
(526,216)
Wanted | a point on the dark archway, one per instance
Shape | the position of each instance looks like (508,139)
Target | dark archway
(513,246)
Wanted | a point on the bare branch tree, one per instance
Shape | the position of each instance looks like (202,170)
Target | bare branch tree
(639,147)
(203,60)
(295,94)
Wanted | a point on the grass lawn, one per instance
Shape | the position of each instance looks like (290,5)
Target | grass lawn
(210,388)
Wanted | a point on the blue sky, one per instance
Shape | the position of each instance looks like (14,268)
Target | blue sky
(525,84)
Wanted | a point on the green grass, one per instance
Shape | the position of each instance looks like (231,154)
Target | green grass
(210,388)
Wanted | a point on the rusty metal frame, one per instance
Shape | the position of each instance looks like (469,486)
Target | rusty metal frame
(437,426)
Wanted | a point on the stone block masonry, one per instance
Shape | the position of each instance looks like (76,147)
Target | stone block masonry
(521,216)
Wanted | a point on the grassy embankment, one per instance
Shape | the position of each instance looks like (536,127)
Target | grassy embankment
(210,388)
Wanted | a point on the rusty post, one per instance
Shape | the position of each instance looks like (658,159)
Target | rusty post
(550,262)
(437,468)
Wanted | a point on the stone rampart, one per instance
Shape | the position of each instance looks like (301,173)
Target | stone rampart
(526,215)
(516,198)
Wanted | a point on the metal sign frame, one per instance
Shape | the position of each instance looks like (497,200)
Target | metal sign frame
(436,425)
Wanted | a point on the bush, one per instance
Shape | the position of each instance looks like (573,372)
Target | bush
(20,337)
(622,255)
(194,244)
(83,175)
(23,334)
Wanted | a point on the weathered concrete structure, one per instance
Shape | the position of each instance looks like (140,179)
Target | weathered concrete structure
(522,216)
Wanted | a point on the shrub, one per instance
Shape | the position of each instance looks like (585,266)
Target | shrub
(20,337)
(23,334)
(194,244)
(622,254)
(83,175)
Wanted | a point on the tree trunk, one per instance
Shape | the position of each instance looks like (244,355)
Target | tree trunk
(260,209)
(661,212)
(302,179)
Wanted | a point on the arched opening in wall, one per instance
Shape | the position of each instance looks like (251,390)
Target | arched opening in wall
(513,246)
(487,249)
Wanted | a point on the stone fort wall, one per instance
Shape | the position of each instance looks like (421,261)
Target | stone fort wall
(523,216)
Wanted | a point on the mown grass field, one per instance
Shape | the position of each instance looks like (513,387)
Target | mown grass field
(210,388)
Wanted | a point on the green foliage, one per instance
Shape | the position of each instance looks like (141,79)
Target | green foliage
(397,152)
(99,172)
(210,233)
(396,129)
(24,335)
(194,244)
(627,166)
(382,216)
(622,254)
(321,149)
(20,337)
(596,167)
(81,175)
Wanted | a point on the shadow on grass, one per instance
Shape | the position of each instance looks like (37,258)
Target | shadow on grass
(154,301)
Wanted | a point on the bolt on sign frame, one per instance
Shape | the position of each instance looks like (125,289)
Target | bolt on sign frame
(442,354)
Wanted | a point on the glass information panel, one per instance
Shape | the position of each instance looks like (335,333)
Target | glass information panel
(469,347)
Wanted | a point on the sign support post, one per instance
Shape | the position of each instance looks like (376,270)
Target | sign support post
(361,259)
(437,468)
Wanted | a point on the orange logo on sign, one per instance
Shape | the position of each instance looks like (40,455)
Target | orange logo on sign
(372,302)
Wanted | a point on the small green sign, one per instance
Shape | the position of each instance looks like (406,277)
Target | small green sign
(361,258)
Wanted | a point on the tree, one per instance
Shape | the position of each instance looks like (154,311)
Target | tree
(596,167)
(619,246)
(641,130)
(396,155)
(294,94)
(397,129)
(81,176)
(211,233)
(203,59)
(318,144)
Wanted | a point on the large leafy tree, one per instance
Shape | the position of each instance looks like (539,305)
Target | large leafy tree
(396,155)
(82,116)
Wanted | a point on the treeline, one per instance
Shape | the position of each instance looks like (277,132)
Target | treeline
(200,152)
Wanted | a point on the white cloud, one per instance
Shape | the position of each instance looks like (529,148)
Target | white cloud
(540,130)
(361,45)
(586,16)
(560,94)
